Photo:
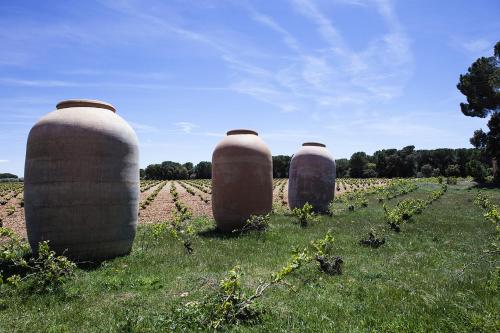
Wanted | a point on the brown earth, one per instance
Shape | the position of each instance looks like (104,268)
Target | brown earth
(145,194)
(14,221)
(159,210)
(197,206)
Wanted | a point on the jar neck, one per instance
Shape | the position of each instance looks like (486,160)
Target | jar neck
(85,103)
(313,144)
(241,131)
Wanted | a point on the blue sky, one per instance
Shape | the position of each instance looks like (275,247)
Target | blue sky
(357,75)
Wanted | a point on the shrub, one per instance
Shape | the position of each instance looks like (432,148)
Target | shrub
(476,169)
(403,212)
(369,173)
(12,248)
(492,214)
(405,209)
(256,223)
(436,172)
(328,262)
(45,272)
(230,305)
(426,170)
(373,240)
(305,215)
(453,170)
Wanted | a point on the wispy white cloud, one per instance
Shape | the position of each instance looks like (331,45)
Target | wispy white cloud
(212,134)
(334,77)
(98,84)
(325,27)
(290,135)
(388,127)
(38,83)
(480,45)
(306,79)
(89,72)
(266,20)
(143,128)
(186,127)
(4,161)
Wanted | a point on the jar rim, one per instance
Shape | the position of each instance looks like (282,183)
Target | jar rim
(75,103)
(314,144)
(242,131)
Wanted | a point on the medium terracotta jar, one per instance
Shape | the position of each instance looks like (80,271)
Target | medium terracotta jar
(312,177)
(81,181)
(242,179)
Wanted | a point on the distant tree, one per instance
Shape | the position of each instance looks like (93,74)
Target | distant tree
(153,171)
(442,157)
(409,164)
(426,170)
(166,170)
(173,170)
(381,160)
(358,164)
(203,170)
(465,155)
(396,163)
(477,170)
(281,165)
(7,175)
(142,173)
(384,163)
(189,167)
(452,170)
(481,86)
(369,173)
(342,166)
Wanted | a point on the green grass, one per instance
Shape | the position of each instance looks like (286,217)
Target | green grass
(432,276)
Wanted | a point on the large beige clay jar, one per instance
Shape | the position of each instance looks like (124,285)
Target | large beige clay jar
(81,181)
(242,179)
(311,177)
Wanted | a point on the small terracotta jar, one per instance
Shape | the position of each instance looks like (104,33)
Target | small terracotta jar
(242,179)
(311,177)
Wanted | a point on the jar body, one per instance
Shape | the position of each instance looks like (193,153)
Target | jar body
(312,178)
(242,180)
(82,183)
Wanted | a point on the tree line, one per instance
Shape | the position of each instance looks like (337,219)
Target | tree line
(386,163)
(408,162)
(8,176)
(173,170)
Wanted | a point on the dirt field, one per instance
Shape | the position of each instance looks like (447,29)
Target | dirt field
(162,205)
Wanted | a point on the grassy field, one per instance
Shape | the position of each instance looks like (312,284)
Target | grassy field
(432,276)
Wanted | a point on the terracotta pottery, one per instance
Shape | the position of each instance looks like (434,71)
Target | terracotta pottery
(81,181)
(311,177)
(242,179)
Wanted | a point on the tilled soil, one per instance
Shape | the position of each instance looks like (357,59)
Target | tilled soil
(197,206)
(145,194)
(14,221)
(199,192)
(160,209)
